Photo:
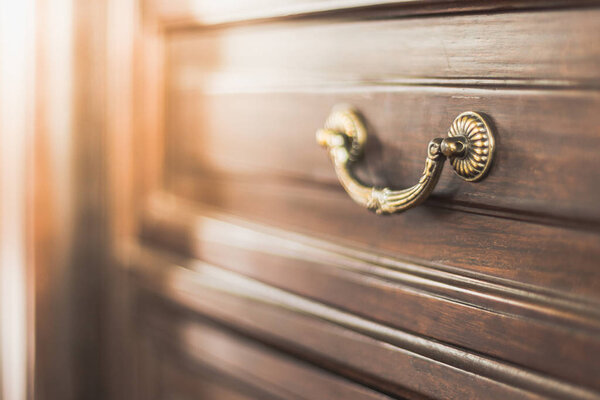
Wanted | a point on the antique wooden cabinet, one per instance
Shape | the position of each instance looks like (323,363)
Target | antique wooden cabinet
(240,268)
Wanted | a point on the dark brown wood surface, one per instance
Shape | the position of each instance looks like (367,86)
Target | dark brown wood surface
(548,48)
(545,169)
(231,366)
(409,78)
(559,259)
(445,306)
(338,341)
(245,271)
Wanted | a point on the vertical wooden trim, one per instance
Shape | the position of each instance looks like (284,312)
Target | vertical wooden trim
(119,148)
(119,119)
(90,232)
(150,107)
(52,202)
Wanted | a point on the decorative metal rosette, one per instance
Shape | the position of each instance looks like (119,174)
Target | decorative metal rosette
(480,147)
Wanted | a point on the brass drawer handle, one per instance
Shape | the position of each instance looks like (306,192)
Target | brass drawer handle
(469,147)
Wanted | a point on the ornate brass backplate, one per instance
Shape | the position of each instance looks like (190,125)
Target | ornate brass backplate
(469,147)
(476,161)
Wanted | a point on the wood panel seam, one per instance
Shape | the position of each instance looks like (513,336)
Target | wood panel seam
(177,215)
(187,278)
(284,179)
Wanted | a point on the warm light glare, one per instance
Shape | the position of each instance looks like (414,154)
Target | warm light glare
(17,35)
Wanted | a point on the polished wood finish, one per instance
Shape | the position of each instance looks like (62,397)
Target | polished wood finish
(449,64)
(244,239)
(464,312)
(367,352)
(526,182)
(477,47)
(233,366)
(207,251)
(500,248)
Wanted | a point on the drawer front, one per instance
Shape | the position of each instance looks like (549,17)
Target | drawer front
(486,290)
(210,362)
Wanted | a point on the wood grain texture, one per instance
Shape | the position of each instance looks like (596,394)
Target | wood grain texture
(391,360)
(464,312)
(490,290)
(271,135)
(547,46)
(558,259)
(409,78)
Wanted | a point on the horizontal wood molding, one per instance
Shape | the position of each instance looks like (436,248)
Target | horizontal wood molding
(558,259)
(409,296)
(194,13)
(368,352)
(282,284)
(233,367)
(191,383)
(188,227)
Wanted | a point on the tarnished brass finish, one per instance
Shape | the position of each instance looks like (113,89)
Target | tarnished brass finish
(478,138)
(469,148)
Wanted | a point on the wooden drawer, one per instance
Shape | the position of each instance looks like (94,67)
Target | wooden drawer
(487,290)
(208,361)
